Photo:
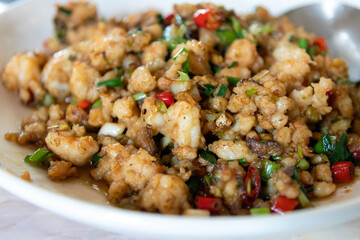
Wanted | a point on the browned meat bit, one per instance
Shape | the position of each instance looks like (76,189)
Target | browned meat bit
(265,149)
(61,170)
(74,114)
(144,139)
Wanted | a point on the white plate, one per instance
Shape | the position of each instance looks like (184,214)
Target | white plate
(24,27)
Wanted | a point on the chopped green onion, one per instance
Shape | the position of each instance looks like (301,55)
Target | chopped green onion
(207,180)
(48,100)
(208,156)
(251,91)
(303,164)
(209,89)
(222,90)
(303,43)
(233,64)
(237,28)
(225,36)
(139,96)
(268,169)
(114,82)
(293,38)
(242,160)
(304,201)
(95,159)
(233,81)
(266,29)
(180,52)
(96,104)
(324,145)
(65,10)
(277,158)
(297,179)
(218,192)
(106,59)
(300,151)
(183,76)
(264,140)
(38,156)
(161,106)
(212,116)
(259,211)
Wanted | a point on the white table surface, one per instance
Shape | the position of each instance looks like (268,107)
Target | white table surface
(22,220)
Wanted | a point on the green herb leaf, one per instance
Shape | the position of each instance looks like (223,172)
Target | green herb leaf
(222,90)
(216,69)
(96,104)
(139,96)
(251,91)
(340,152)
(208,156)
(65,10)
(114,82)
(225,36)
(233,64)
(160,19)
(233,81)
(193,184)
(334,120)
(209,89)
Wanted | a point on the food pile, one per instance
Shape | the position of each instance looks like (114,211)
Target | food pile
(199,112)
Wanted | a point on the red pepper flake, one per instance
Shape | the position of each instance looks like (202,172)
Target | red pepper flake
(331,97)
(166,97)
(209,18)
(283,204)
(84,104)
(343,172)
(206,203)
(168,19)
(321,42)
(252,186)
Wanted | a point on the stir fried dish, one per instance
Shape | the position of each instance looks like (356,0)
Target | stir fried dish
(199,112)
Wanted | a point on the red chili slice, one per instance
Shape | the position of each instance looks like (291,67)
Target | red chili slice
(343,172)
(168,19)
(356,154)
(206,203)
(166,97)
(321,42)
(84,104)
(331,97)
(209,18)
(283,204)
(253,177)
